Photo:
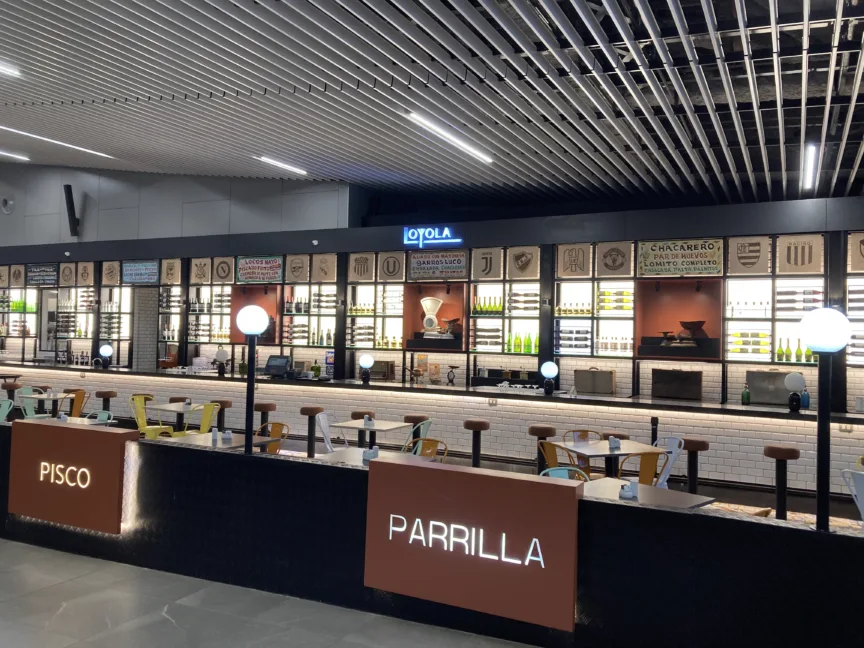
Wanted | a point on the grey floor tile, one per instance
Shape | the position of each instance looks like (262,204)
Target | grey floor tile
(386,632)
(230,599)
(325,621)
(24,579)
(164,586)
(20,635)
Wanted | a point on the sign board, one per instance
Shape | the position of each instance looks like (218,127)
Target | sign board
(69,474)
(111,273)
(391,266)
(171,272)
(446,264)
(422,237)
(85,273)
(200,271)
(614,259)
(486,264)
(324,268)
(749,255)
(574,261)
(856,252)
(67,275)
(297,268)
(361,266)
(141,272)
(523,263)
(799,254)
(259,269)
(679,258)
(42,274)
(4,276)
(476,539)
(223,270)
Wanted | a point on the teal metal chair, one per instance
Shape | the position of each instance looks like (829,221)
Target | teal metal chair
(5,407)
(565,472)
(423,432)
(28,405)
(103,416)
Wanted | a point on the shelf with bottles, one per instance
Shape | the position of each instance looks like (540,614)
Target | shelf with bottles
(169,327)
(115,313)
(855,298)
(523,300)
(170,299)
(381,332)
(572,337)
(19,300)
(795,297)
(209,300)
(615,300)
(749,299)
(297,299)
(855,350)
(518,336)
(574,298)
(72,326)
(204,329)
(614,338)
(18,325)
(487,300)
(787,346)
(323,299)
(314,331)
(749,341)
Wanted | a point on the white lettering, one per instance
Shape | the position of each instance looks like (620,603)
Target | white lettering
(417,532)
(392,528)
(81,474)
(64,475)
(437,536)
(58,473)
(462,540)
(504,557)
(44,469)
(539,557)
(473,541)
(485,555)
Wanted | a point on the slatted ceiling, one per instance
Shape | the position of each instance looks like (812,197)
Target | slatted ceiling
(573,99)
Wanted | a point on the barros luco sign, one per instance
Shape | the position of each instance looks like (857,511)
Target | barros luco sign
(477,539)
(429,236)
(443,264)
(677,258)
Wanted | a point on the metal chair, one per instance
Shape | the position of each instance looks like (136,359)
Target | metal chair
(426,448)
(565,472)
(550,455)
(674,445)
(137,404)
(28,405)
(209,414)
(855,482)
(277,431)
(79,400)
(6,406)
(103,416)
(420,431)
(323,420)
(581,436)
(647,466)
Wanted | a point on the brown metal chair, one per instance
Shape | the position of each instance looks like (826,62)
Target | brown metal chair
(647,466)
(277,431)
(427,448)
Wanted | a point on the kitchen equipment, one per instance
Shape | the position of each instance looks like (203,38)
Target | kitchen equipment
(431,306)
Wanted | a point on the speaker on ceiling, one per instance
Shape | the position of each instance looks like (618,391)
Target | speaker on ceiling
(70,210)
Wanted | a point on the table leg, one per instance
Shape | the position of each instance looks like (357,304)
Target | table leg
(541,460)
(40,407)
(310,438)
(475,449)
(373,438)
(71,405)
(180,421)
(55,408)
(361,438)
(781,490)
(611,466)
(106,404)
(220,420)
(692,472)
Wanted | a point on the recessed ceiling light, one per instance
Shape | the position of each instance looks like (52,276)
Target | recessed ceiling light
(45,139)
(282,165)
(23,158)
(9,70)
(810,166)
(440,132)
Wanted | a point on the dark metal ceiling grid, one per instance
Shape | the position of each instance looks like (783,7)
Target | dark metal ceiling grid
(707,100)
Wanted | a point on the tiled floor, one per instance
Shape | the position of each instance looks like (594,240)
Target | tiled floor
(50,599)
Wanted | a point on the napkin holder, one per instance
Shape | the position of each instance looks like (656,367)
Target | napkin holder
(614,443)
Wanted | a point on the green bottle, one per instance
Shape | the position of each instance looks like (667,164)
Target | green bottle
(527,346)
(808,355)
(787,354)
(745,395)
(780,350)
(517,344)
(799,354)
(509,347)
(537,344)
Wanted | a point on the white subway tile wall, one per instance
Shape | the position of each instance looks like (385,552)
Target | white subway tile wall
(736,441)
(854,387)
(736,375)
(145,328)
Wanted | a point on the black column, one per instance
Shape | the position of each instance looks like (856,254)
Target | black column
(182,335)
(835,266)
(96,342)
(823,444)
(340,333)
(547,313)
(250,393)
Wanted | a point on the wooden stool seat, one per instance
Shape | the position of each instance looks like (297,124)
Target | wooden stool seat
(72,390)
(542,431)
(617,435)
(476,425)
(177,399)
(106,394)
(358,415)
(311,410)
(781,452)
(263,406)
(223,403)
(11,386)
(414,419)
(692,444)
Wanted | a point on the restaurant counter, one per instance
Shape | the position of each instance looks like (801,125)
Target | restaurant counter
(736,433)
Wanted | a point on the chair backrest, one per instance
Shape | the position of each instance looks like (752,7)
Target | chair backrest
(138,405)
(855,481)
(28,405)
(580,436)
(103,416)
(426,448)
(79,400)
(323,421)
(275,430)
(422,430)
(565,472)
(208,416)
(5,407)
(860,462)
(674,445)
(647,466)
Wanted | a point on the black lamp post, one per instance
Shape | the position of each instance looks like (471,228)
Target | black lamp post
(252,322)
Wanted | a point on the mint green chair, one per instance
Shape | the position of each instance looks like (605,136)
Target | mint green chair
(5,408)
(565,472)
(28,405)
(103,416)
(422,430)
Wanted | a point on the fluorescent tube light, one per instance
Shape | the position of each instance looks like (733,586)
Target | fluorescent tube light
(810,166)
(9,70)
(23,158)
(281,165)
(45,139)
(440,132)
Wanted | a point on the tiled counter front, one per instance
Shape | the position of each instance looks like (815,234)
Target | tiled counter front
(736,441)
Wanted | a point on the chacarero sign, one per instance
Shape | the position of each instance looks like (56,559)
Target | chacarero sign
(680,258)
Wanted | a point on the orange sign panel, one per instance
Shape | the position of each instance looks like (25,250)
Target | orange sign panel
(68,474)
(483,540)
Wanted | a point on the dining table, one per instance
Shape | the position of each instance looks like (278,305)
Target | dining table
(354,457)
(233,443)
(180,410)
(377,425)
(600,448)
(54,397)
(609,489)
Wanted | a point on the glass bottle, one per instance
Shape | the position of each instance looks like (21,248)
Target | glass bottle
(527,346)
(316,369)
(517,344)
(805,399)
(537,344)
(509,347)
(329,337)
(780,350)
(808,355)
(799,354)
(787,353)
(745,395)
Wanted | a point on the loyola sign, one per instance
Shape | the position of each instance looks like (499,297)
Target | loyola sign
(423,236)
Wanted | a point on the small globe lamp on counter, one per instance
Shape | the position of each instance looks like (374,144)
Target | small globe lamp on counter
(549,370)
(106,351)
(366,361)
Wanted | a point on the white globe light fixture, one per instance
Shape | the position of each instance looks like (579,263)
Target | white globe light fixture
(221,357)
(106,350)
(825,330)
(366,361)
(252,320)
(549,370)
(795,383)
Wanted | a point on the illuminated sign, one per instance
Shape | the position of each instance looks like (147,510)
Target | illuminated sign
(423,236)
(63,475)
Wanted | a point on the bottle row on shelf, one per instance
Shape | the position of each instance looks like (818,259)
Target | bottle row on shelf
(387,307)
(16,305)
(491,339)
(220,303)
(301,306)
(170,301)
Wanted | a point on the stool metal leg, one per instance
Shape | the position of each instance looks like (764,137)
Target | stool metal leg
(310,438)
(415,433)
(361,438)
(106,404)
(475,449)
(692,471)
(40,407)
(265,417)
(541,460)
(781,490)
(373,438)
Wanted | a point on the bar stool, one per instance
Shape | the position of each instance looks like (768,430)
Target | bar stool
(359,415)
(71,390)
(106,397)
(310,411)
(40,405)
(476,426)
(781,454)
(11,388)
(220,415)
(264,407)
(415,420)
(541,432)
(694,446)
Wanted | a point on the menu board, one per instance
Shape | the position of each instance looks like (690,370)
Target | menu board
(677,258)
(42,274)
(261,269)
(446,264)
(141,272)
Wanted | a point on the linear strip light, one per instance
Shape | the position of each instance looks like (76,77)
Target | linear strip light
(23,158)
(810,167)
(440,132)
(51,141)
(9,70)
(282,165)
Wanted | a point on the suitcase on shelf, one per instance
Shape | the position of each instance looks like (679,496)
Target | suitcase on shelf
(594,381)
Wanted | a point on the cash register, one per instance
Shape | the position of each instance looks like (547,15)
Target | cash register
(279,367)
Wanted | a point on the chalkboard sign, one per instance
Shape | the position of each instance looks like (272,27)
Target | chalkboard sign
(42,274)
(141,272)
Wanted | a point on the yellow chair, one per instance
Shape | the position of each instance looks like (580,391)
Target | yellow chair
(647,466)
(550,454)
(581,436)
(208,418)
(277,431)
(137,404)
(860,462)
(427,448)
(79,400)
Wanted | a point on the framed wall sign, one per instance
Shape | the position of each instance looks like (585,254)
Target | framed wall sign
(361,266)
(111,273)
(324,268)
(42,274)
(680,258)
(615,259)
(67,275)
(259,269)
(799,254)
(443,264)
(856,252)
(85,273)
(171,271)
(749,255)
(487,264)
(16,276)
(223,270)
(141,272)
(574,261)
(391,266)
(297,268)
(4,276)
(200,271)
(523,263)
